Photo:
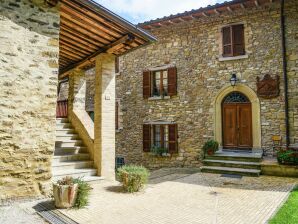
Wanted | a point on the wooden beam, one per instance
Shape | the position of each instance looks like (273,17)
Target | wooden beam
(257,3)
(216,11)
(204,14)
(242,6)
(127,38)
(229,9)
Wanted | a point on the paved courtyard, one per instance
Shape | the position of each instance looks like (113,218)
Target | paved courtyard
(180,196)
(175,196)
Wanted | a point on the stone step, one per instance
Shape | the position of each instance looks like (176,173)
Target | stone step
(67,137)
(62,126)
(64,131)
(231,170)
(62,120)
(72,165)
(74,157)
(234,156)
(69,143)
(75,173)
(230,163)
(70,150)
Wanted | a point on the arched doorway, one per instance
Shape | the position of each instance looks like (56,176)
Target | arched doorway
(237,121)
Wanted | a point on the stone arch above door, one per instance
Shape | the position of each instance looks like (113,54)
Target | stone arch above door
(256,118)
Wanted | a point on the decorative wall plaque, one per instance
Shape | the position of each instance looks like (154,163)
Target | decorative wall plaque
(268,87)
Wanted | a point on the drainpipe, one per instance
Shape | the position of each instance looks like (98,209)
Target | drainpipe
(285,76)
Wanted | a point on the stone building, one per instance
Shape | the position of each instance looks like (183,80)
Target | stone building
(178,92)
(43,42)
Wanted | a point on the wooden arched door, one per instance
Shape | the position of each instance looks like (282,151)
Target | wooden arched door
(236,121)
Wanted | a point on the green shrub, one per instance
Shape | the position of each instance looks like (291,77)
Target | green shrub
(158,150)
(133,178)
(210,145)
(289,157)
(83,193)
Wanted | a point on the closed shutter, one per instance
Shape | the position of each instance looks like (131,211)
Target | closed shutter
(238,40)
(172,81)
(227,41)
(146,84)
(173,137)
(146,137)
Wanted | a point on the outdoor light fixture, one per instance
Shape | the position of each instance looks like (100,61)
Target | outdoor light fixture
(233,79)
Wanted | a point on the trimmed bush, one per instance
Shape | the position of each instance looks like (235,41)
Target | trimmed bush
(133,178)
(83,193)
(287,157)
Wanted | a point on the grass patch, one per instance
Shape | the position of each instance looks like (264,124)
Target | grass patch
(288,213)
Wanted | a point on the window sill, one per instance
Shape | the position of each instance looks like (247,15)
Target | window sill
(221,58)
(159,98)
(157,155)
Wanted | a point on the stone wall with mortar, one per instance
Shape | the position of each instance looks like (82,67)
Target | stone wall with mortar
(29,49)
(194,48)
(291,13)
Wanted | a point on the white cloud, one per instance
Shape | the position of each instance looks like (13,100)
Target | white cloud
(142,10)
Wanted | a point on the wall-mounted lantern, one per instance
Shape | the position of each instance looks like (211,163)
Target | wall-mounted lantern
(233,80)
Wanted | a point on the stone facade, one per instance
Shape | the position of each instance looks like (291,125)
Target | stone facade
(194,48)
(29,50)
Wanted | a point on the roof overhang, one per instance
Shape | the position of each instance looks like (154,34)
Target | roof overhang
(205,12)
(88,29)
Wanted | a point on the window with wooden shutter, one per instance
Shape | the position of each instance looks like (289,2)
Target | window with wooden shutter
(146,84)
(233,40)
(146,137)
(173,138)
(172,81)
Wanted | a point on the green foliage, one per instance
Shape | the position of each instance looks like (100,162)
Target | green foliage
(83,193)
(132,177)
(158,150)
(287,214)
(210,145)
(289,157)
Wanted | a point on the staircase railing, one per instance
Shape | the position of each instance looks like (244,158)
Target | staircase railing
(61,109)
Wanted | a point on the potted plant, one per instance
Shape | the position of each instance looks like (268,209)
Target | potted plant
(287,157)
(71,192)
(159,151)
(210,147)
(132,177)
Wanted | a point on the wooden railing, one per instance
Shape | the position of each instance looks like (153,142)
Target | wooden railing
(61,109)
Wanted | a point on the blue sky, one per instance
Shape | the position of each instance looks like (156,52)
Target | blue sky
(137,11)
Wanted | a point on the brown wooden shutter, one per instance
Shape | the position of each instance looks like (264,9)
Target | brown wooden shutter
(117,115)
(173,138)
(146,137)
(238,40)
(227,41)
(172,81)
(146,84)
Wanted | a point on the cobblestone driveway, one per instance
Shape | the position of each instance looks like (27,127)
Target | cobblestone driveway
(176,196)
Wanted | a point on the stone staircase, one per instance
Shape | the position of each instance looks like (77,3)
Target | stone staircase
(233,162)
(71,157)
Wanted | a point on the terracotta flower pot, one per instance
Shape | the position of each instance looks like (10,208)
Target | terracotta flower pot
(210,152)
(65,195)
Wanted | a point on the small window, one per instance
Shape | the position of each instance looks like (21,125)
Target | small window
(119,162)
(233,40)
(117,115)
(160,83)
(160,136)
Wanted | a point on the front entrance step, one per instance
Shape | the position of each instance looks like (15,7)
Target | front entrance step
(68,143)
(74,157)
(66,137)
(75,173)
(230,163)
(65,131)
(62,120)
(61,126)
(70,150)
(236,156)
(72,165)
(231,170)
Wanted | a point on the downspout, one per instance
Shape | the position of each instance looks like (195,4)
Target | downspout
(285,75)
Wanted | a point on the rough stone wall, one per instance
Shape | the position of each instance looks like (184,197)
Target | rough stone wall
(90,80)
(194,48)
(291,14)
(28,79)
